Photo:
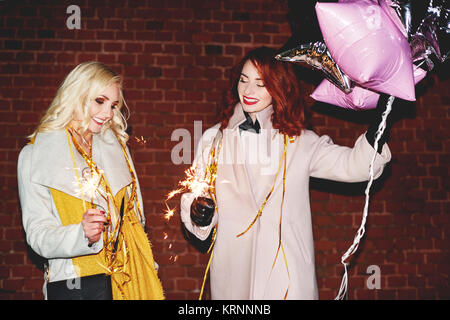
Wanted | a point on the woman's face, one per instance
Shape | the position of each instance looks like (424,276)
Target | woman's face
(101,108)
(252,92)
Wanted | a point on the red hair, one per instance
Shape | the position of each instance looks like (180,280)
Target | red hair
(282,84)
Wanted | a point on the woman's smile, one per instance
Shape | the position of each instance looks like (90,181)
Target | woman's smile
(249,101)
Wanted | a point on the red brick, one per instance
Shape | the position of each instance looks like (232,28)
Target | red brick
(175,59)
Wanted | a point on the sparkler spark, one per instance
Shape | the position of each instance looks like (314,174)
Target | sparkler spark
(173,193)
(193,184)
(140,140)
(169,213)
(89,183)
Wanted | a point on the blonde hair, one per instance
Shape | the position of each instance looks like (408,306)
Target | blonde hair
(80,87)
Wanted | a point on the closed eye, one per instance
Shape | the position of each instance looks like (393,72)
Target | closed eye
(244,79)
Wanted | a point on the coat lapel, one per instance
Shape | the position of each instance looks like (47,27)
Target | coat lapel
(107,153)
(233,168)
(52,164)
(235,154)
(233,157)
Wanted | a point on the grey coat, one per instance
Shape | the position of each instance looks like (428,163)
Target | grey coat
(48,164)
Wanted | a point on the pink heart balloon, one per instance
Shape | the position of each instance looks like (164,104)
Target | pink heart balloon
(358,99)
(368,46)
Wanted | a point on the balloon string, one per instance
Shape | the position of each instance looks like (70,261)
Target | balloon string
(352,249)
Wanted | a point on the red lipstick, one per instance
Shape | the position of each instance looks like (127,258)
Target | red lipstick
(249,101)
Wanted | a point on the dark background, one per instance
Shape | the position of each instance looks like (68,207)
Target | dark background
(175,56)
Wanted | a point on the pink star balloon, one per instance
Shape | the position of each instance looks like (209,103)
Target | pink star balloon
(358,99)
(389,8)
(368,46)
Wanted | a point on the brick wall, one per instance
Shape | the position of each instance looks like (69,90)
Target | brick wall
(174,56)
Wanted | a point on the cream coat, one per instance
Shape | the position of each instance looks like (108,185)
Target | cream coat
(48,164)
(241,267)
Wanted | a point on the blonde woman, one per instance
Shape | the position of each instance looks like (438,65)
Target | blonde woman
(80,197)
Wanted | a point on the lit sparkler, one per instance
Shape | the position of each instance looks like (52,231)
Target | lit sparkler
(197,186)
(199,183)
(89,183)
(192,183)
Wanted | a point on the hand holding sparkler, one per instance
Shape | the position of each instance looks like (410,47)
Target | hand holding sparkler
(194,184)
(93,224)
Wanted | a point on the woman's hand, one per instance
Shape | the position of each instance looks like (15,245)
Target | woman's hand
(93,224)
(202,211)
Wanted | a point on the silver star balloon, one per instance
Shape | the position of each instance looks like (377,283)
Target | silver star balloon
(317,56)
(432,35)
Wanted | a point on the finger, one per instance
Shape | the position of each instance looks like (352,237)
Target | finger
(97,218)
(93,211)
(98,227)
(95,226)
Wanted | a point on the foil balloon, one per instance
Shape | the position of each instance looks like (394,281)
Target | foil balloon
(368,46)
(317,56)
(359,99)
(432,35)
(400,13)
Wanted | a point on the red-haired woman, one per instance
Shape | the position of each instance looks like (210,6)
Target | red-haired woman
(259,159)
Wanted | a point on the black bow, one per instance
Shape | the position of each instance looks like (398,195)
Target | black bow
(249,125)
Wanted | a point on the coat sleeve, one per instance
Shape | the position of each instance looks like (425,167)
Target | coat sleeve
(200,162)
(339,163)
(44,232)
